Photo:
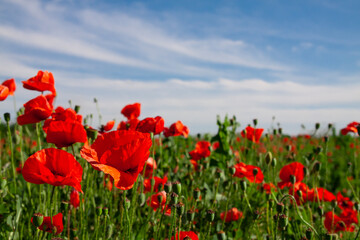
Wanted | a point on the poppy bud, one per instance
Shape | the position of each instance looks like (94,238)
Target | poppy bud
(280,131)
(243,185)
(232,170)
(210,215)
(299,193)
(221,235)
(288,148)
(273,163)
(177,187)
(196,194)
(159,198)
(255,121)
(95,100)
(168,187)
(255,171)
(174,198)
(330,125)
(7,117)
(105,211)
(180,208)
(91,133)
(317,126)
(280,207)
(77,108)
(141,199)
(357,206)
(268,158)
(128,203)
(38,219)
(99,211)
(306,171)
(283,221)
(293,179)
(274,131)
(309,233)
(326,139)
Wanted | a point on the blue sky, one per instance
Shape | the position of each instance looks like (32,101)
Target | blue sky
(191,60)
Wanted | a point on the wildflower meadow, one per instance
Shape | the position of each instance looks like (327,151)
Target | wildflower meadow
(146,178)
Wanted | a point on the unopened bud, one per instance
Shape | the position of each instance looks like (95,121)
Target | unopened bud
(141,199)
(105,211)
(317,126)
(243,185)
(168,187)
(255,121)
(280,131)
(99,211)
(273,163)
(292,179)
(255,171)
(174,198)
(7,117)
(232,170)
(316,167)
(77,108)
(268,158)
(180,208)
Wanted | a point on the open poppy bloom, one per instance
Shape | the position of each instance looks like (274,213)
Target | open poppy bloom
(10,84)
(54,225)
(43,81)
(53,166)
(252,134)
(183,234)
(344,222)
(158,200)
(232,215)
(148,125)
(121,154)
(202,150)
(128,125)
(291,172)
(108,126)
(176,129)
(243,170)
(158,181)
(269,187)
(4,92)
(64,128)
(150,165)
(320,194)
(351,127)
(131,111)
(36,110)
(344,202)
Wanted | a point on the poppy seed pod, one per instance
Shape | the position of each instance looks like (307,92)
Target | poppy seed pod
(316,167)
(141,199)
(99,211)
(180,208)
(283,221)
(210,215)
(221,235)
(196,194)
(38,219)
(168,187)
(280,131)
(177,187)
(174,198)
(127,203)
(105,211)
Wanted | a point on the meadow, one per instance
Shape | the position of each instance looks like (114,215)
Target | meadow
(62,178)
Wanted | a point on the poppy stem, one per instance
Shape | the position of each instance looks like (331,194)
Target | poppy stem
(12,153)
(38,135)
(216,191)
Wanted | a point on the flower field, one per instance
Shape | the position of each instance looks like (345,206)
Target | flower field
(146,178)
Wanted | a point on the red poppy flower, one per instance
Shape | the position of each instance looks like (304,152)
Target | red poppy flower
(128,125)
(74,198)
(53,166)
(43,81)
(232,215)
(158,181)
(154,202)
(148,125)
(176,129)
(320,194)
(65,134)
(131,111)
(252,134)
(351,127)
(150,165)
(243,170)
(189,234)
(108,126)
(61,114)
(4,92)
(269,187)
(36,110)
(52,225)
(121,154)
(202,150)
(344,202)
(292,170)
(344,222)
(10,83)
